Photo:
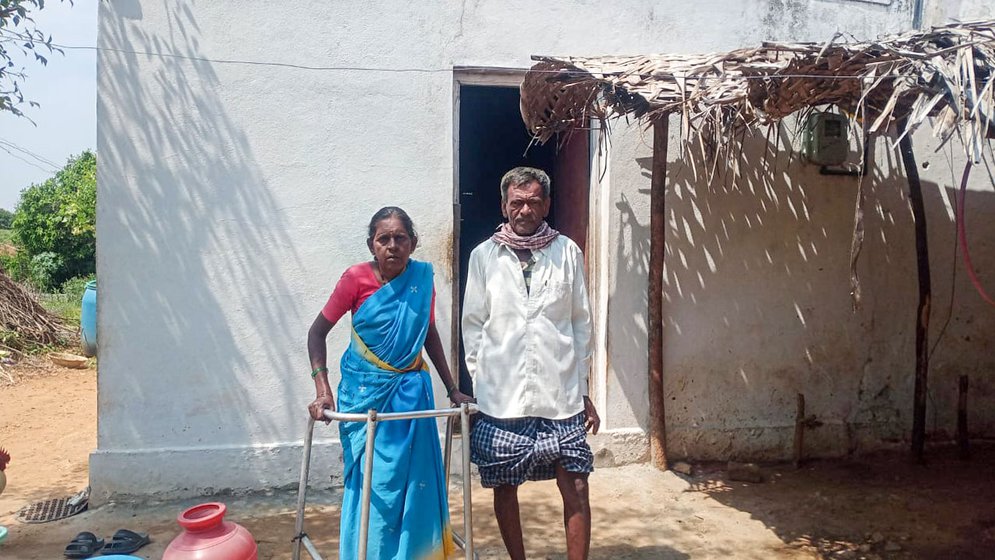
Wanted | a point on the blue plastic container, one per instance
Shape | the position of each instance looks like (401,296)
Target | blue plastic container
(88,319)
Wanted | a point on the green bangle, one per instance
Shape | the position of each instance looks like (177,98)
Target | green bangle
(317,370)
(449,391)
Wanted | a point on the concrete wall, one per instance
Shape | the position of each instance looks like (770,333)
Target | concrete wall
(758,309)
(231,196)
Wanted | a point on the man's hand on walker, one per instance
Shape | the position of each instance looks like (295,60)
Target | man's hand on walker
(459,398)
(320,404)
(591,420)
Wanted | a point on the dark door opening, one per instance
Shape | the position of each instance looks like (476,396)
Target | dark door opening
(492,140)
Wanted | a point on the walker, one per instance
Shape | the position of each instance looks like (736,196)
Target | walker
(372,418)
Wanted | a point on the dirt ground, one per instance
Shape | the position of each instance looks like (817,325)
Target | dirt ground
(875,507)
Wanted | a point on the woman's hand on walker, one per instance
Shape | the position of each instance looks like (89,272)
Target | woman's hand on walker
(319,404)
(459,398)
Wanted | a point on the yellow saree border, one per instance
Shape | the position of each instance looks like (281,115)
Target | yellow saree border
(417,365)
(445,550)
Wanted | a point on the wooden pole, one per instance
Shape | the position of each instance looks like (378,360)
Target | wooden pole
(658,431)
(799,430)
(925,295)
(965,450)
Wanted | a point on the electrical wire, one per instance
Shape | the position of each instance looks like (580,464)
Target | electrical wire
(25,160)
(409,70)
(29,153)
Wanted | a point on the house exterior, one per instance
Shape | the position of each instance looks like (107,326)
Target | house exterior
(243,150)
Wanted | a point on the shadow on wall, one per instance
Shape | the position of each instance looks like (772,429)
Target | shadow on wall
(186,218)
(628,336)
(757,302)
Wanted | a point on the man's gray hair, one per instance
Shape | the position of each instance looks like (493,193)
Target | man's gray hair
(523,176)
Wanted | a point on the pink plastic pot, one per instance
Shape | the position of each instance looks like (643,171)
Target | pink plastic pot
(207,536)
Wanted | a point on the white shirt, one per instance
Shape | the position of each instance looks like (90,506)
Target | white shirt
(528,353)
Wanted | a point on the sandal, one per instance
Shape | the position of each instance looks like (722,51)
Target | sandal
(125,542)
(83,545)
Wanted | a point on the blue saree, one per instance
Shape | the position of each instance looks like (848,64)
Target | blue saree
(383,369)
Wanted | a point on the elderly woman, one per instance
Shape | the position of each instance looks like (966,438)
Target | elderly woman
(391,299)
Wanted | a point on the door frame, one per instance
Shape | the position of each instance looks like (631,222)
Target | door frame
(468,76)
(597,231)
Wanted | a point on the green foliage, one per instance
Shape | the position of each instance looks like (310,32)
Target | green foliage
(18,33)
(55,226)
(68,301)
(6,218)
(17,266)
(74,287)
(42,268)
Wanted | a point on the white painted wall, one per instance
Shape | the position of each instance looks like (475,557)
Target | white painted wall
(940,12)
(231,196)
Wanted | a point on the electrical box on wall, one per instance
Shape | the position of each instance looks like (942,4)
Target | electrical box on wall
(825,140)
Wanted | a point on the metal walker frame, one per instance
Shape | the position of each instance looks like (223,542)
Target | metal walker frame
(372,418)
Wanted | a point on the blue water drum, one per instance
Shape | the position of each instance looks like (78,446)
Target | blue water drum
(88,319)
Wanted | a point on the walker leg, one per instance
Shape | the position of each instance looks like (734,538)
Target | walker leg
(364,527)
(448,450)
(372,419)
(450,429)
(467,503)
(302,489)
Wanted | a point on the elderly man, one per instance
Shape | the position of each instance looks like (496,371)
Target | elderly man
(527,336)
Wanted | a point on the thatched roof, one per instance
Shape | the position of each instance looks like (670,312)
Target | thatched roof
(945,73)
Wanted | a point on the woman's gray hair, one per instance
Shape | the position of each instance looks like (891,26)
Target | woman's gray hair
(391,212)
(523,176)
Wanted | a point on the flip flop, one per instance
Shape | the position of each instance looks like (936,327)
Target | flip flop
(125,542)
(83,545)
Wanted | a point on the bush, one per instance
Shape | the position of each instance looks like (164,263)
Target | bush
(43,268)
(67,301)
(74,287)
(17,266)
(58,217)
(37,272)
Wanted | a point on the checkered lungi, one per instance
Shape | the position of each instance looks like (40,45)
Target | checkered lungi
(511,451)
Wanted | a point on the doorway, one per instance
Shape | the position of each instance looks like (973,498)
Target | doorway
(490,140)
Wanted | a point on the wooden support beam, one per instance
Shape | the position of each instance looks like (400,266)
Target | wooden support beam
(658,223)
(925,295)
(799,430)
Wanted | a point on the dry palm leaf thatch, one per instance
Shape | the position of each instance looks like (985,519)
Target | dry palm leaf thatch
(945,73)
(21,314)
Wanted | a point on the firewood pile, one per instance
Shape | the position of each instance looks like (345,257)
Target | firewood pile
(945,74)
(26,320)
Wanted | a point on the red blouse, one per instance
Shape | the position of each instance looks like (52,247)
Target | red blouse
(357,283)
